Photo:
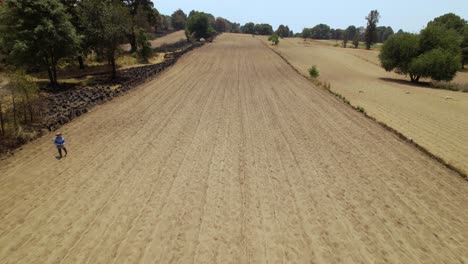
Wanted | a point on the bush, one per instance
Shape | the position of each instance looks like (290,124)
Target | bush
(144,46)
(313,72)
(274,39)
(198,26)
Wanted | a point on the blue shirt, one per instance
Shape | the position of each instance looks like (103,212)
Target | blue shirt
(59,141)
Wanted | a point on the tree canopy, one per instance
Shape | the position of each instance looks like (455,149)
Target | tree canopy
(178,19)
(198,25)
(37,33)
(106,25)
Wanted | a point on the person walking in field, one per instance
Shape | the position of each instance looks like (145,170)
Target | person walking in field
(59,142)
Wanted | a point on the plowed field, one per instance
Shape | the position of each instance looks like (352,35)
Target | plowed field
(230,157)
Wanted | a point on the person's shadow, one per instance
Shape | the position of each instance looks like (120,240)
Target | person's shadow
(58,157)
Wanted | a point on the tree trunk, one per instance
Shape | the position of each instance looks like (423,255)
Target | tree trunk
(81,62)
(2,121)
(15,123)
(49,71)
(133,43)
(114,72)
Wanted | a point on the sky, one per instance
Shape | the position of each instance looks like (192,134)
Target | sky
(409,15)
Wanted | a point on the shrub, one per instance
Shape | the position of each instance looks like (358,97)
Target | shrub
(144,46)
(313,72)
(361,109)
(274,39)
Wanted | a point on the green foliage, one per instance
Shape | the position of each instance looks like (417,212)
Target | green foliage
(313,72)
(351,30)
(361,109)
(356,40)
(106,25)
(371,30)
(144,45)
(178,19)
(435,36)
(37,33)
(320,31)
(198,26)
(274,39)
(438,64)
(283,31)
(263,29)
(248,28)
(398,52)
(345,39)
(435,53)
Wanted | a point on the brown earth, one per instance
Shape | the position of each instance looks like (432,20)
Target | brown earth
(158,42)
(435,119)
(230,157)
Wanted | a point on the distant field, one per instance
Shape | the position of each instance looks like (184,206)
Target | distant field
(168,39)
(436,119)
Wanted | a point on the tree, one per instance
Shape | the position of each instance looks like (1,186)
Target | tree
(84,47)
(144,45)
(263,29)
(435,53)
(345,39)
(106,24)
(356,40)
(198,25)
(351,32)
(274,39)
(178,19)
(320,31)
(372,20)
(306,33)
(37,33)
(142,16)
(398,52)
(282,31)
(454,22)
(248,28)
(220,25)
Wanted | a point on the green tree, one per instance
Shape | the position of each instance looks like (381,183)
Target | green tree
(306,33)
(263,29)
(178,19)
(398,52)
(144,45)
(274,39)
(248,28)
(221,25)
(345,39)
(371,30)
(37,33)
(320,31)
(356,40)
(454,22)
(198,26)
(435,53)
(282,31)
(106,25)
(143,15)
(351,32)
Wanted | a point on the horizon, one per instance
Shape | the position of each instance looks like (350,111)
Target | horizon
(411,17)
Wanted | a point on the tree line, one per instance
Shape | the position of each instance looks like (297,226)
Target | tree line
(36,35)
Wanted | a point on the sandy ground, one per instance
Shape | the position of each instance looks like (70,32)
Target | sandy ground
(436,119)
(168,39)
(230,157)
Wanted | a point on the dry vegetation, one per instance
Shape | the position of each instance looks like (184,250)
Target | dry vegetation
(434,118)
(168,39)
(230,157)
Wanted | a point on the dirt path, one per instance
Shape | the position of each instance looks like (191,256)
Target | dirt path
(230,157)
(435,119)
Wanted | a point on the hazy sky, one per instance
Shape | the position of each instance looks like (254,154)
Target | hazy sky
(409,15)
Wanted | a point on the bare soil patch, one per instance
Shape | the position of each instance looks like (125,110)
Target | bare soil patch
(435,119)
